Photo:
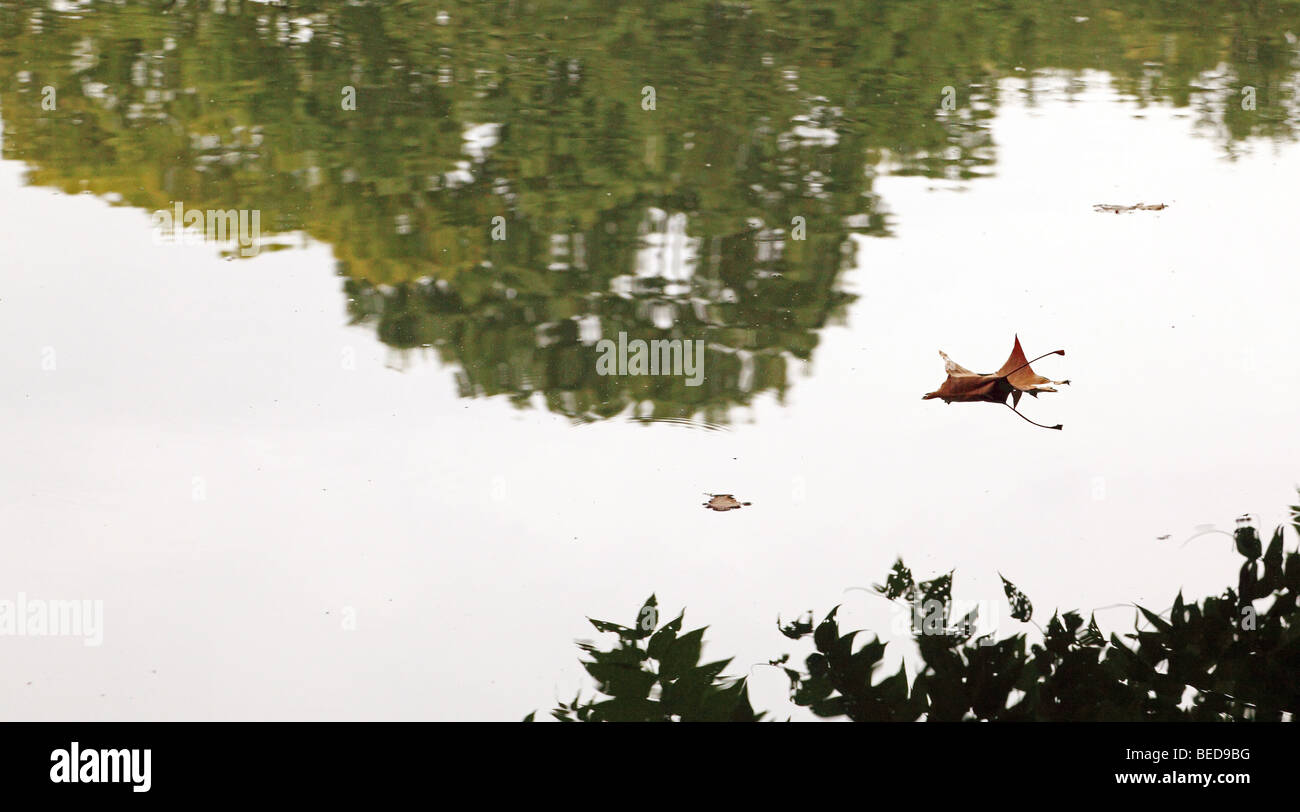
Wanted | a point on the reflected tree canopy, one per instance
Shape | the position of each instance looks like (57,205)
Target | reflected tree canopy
(672,170)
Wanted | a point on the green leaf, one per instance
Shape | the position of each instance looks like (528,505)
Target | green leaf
(682,654)
(1021,607)
(828,631)
(606,626)
(1291,578)
(663,639)
(623,709)
(1072,622)
(797,628)
(622,680)
(827,708)
(647,618)
(898,582)
(893,690)
(1273,574)
(939,589)
(966,626)
(1157,621)
(1248,582)
(1092,636)
(1248,543)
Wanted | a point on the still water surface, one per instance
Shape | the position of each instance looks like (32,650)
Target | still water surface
(371,472)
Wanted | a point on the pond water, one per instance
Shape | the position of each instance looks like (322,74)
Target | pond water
(370,470)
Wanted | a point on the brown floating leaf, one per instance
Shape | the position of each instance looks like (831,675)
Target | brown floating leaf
(1015,378)
(1116,209)
(723,501)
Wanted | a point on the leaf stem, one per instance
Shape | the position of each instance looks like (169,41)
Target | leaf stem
(1027,363)
(1058,426)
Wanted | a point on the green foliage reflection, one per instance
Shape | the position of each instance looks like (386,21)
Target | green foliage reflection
(1231,657)
(670,223)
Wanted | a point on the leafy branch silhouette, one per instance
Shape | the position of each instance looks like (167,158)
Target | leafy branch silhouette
(1231,657)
